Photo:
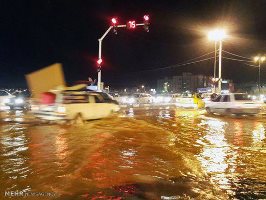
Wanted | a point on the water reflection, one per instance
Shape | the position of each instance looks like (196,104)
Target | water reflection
(217,157)
(146,154)
(258,134)
(14,160)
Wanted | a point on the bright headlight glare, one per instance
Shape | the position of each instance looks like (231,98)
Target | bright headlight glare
(167,99)
(61,109)
(6,100)
(124,99)
(19,101)
(131,100)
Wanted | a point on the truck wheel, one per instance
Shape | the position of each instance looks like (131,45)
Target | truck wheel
(79,119)
(228,111)
(208,110)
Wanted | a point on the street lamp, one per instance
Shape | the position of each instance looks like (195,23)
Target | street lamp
(218,35)
(259,59)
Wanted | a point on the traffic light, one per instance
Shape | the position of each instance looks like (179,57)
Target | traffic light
(114,24)
(99,63)
(146,19)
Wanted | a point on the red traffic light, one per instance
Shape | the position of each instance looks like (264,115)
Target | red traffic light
(146,17)
(99,61)
(114,21)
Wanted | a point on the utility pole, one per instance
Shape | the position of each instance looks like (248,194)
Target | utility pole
(220,67)
(214,67)
(259,59)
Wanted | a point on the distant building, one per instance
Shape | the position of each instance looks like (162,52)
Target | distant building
(186,82)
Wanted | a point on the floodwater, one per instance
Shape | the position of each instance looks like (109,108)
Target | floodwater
(140,153)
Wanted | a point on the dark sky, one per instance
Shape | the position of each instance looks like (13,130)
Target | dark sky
(35,34)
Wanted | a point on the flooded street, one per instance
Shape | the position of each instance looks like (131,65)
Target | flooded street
(141,153)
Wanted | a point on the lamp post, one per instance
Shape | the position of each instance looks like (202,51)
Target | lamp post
(218,35)
(259,59)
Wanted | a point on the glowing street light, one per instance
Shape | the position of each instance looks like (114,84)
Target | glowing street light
(218,35)
(259,59)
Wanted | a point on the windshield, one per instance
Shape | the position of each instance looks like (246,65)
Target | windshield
(242,97)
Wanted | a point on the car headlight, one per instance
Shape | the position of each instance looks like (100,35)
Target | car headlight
(167,99)
(6,101)
(131,100)
(158,99)
(124,100)
(19,101)
(61,109)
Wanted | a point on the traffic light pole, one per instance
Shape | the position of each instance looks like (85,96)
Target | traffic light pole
(100,51)
(100,57)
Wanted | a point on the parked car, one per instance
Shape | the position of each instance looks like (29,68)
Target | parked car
(70,105)
(20,100)
(233,103)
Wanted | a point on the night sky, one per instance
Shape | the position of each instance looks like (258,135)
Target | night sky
(35,34)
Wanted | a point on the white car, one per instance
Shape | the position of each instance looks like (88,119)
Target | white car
(137,98)
(5,98)
(163,99)
(233,103)
(79,104)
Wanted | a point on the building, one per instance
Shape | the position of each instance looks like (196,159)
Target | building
(186,82)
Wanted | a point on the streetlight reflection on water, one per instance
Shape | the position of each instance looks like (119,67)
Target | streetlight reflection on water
(217,154)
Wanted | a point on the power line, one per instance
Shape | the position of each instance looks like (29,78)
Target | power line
(178,65)
(250,65)
(235,59)
(199,56)
(236,55)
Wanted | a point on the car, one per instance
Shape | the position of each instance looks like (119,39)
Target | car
(137,98)
(107,97)
(233,103)
(71,105)
(188,100)
(4,98)
(163,98)
(19,101)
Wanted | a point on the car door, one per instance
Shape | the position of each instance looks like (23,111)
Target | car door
(225,104)
(100,108)
(215,105)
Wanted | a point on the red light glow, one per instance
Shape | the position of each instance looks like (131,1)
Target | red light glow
(146,17)
(99,61)
(114,21)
